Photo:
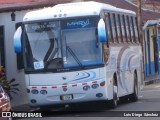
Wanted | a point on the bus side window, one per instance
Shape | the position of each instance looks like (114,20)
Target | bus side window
(129,30)
(132,23)
(115,24)
(124,28)
(135,29)
(109,28)
(113,28)
(119,32)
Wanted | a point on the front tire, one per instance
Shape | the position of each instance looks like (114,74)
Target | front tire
(114,101)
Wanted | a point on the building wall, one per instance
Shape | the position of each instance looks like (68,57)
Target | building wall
(153,5)
(150,50)
(151,29)
(10,56)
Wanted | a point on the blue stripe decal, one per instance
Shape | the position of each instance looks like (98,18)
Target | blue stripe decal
(125,63)
(84,77)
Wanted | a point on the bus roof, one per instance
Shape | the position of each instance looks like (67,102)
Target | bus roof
(72,10)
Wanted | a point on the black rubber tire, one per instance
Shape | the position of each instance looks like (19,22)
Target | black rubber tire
(114,102)
(134,97)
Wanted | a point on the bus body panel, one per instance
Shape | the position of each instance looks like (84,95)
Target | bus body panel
(124,61)
(64,78)
(75,89)
(76,80)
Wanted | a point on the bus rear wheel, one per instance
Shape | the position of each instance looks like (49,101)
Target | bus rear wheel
(134,97)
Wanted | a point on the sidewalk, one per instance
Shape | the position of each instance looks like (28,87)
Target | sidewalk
(152,79)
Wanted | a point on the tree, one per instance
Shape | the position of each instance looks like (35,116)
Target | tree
(139,4)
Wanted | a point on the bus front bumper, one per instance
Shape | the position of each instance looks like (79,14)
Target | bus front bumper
(66,94)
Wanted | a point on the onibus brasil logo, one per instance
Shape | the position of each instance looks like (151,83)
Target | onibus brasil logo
(20,114)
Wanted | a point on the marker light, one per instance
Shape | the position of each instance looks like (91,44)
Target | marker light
(55,15)
(34,92)
(86,88)
(44,92)
(99,95)
(94,86)
(102,83)
(33,101)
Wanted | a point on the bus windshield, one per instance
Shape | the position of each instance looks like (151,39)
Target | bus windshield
(51,46)
(80,48)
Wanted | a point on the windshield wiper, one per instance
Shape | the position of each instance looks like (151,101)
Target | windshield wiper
(74,56)
(53,53)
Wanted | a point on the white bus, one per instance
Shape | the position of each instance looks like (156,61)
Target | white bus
(80,52)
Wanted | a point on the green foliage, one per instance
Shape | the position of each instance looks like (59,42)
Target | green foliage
(9,86)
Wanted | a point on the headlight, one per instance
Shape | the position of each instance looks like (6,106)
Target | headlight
(86,88)
(94,86)
(34,92)
(44,92)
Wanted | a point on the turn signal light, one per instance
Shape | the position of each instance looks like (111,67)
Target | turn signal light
(99,95)
(94,86)
(102,83)
(34,92)
(33,101)
(43,92)
(86,88)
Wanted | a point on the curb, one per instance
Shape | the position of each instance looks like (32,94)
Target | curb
(23,107)
(152,81)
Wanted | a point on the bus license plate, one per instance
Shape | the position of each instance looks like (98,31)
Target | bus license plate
(66,97)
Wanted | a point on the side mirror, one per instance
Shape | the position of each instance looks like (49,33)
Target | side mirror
(17,40)
(102,37)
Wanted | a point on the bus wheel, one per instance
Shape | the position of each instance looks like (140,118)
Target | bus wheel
(114,101)
(134,96)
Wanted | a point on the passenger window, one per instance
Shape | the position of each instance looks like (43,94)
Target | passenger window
(109,28)
(124,35)
(127,29)
(134,38)
(113,28)
(136,29)
(131,29)
(118,30)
